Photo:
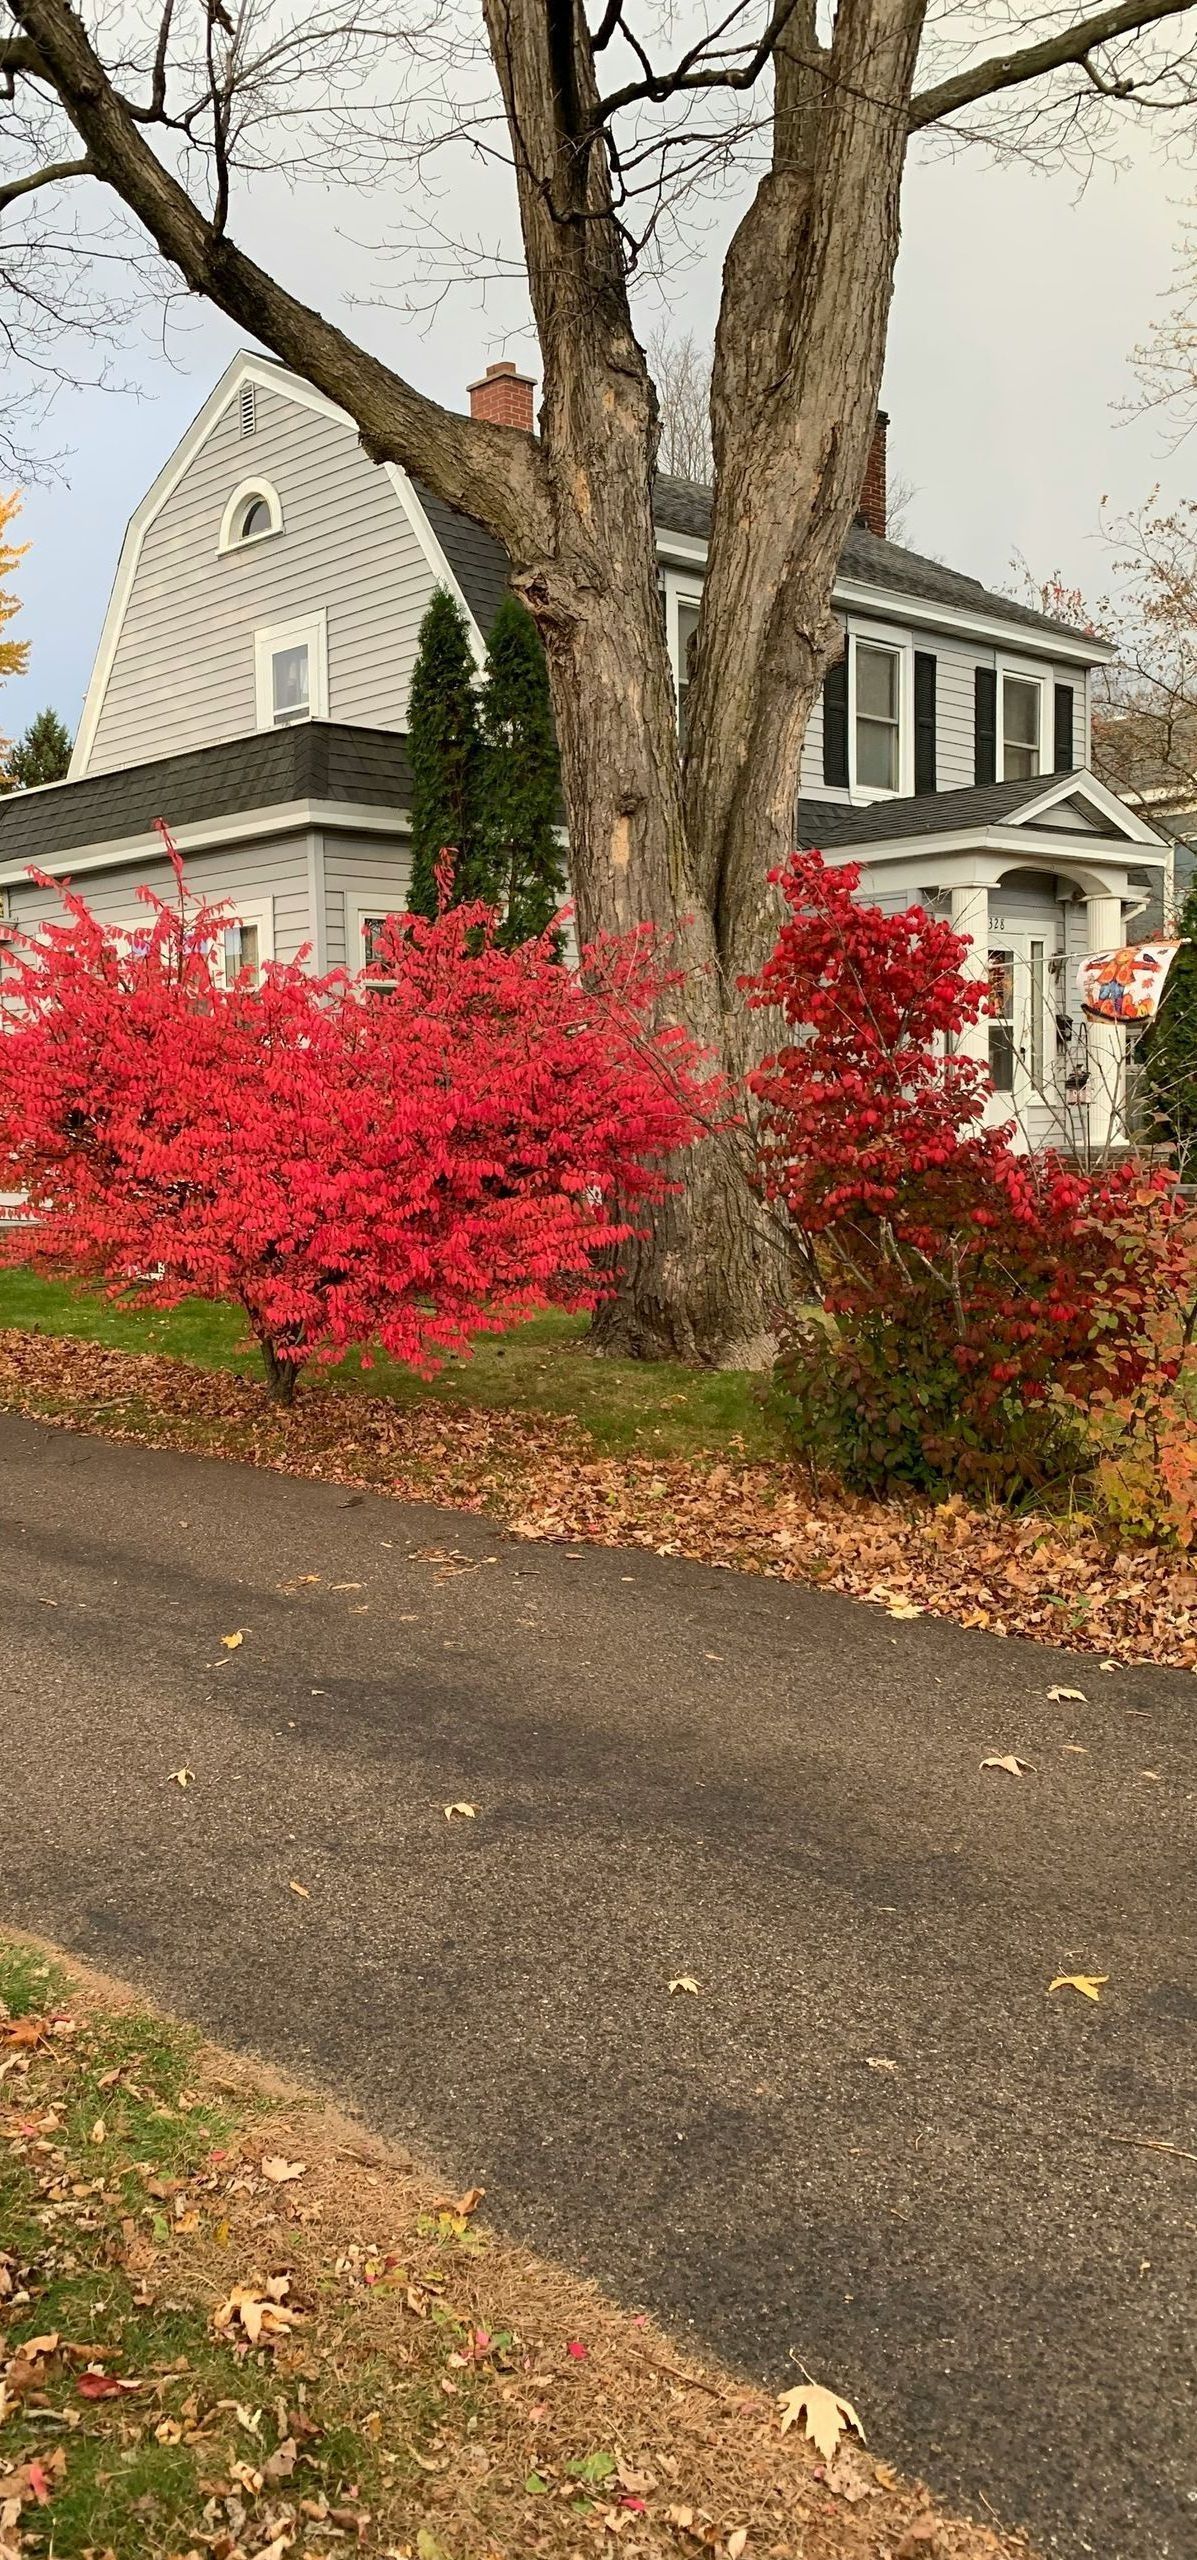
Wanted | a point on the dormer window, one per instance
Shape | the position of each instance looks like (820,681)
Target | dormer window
(253,513)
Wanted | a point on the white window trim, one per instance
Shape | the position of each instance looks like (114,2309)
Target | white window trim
(230,540)
(311,628)
(358,905)
(1026,673)
(251,911)
(881,635)
(678,592)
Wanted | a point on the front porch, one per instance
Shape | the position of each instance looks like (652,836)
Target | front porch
(1037,873)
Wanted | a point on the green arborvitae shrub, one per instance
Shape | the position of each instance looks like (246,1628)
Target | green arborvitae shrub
(42,755)
(444,747)
(522,867)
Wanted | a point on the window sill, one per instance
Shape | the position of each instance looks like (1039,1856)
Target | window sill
(251,542)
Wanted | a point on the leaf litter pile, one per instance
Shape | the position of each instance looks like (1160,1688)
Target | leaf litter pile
(1061,1583)
(231,2324)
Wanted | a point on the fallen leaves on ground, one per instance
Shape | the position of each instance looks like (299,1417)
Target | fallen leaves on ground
(347,2362)
(827,2414)
(181,1778)
(282,2173)
(1058,1695)
(684,1982)
(1060,1582)
(1088,1984)
(1008,1760)
(462,1812)
(231,1643)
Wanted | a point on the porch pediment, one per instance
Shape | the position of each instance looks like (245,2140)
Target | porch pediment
(995,816)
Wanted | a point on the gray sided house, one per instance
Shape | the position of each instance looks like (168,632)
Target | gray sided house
(251,685)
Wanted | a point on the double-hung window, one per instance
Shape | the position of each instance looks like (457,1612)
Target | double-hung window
(1021,726)
(246,941)
(878,673)
(291,672)
(687,655)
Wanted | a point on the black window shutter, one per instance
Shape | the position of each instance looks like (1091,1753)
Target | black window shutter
(1065,699)
(985,724)
(835,723)
(924,720)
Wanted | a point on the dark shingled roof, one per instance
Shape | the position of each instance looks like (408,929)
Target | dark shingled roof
(681,506)
(829,824)
(478,562)
(315,760)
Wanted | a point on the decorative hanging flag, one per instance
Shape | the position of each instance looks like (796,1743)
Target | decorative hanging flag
(1126,985)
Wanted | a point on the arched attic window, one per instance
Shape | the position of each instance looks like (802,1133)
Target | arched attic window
(253,512)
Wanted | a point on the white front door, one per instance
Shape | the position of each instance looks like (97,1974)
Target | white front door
(1024,997)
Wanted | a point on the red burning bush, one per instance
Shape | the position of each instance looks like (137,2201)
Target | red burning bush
(404,1166)
(973,1288)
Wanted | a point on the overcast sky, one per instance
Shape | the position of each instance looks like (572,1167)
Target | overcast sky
(1018,302)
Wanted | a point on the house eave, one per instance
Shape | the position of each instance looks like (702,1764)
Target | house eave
(208,835)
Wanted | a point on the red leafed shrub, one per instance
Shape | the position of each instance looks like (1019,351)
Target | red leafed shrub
(404,1166)
(974,1289)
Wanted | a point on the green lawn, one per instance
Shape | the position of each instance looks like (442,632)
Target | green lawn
(540,1367)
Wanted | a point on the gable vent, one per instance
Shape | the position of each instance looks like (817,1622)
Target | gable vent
(249,408)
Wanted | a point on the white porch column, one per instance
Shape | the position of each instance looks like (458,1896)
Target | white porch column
(970,915)
(1105,1041)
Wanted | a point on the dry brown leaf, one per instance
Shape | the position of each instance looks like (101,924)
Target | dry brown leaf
(1058,1696)
(1089,1984)
(826,2414)
(231,1643)
(262,2317)
(684,1982)
(736,2542)
(300,1889)
(1007,1760)
(467,1812)
(462,2206)
(181,1778)
(282,2172)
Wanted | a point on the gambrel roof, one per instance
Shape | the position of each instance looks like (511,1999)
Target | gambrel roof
(466,559)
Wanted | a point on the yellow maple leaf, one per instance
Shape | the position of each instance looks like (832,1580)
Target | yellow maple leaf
(826,2414)
(1087,1983)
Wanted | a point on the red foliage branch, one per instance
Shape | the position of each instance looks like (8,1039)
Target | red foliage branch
(404,1166)
(981,1278)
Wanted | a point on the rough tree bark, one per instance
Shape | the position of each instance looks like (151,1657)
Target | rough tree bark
(683,845)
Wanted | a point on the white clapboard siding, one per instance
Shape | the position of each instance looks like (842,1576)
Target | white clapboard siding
(277,870)
(183,671)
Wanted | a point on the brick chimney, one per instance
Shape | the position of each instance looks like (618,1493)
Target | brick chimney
(504,396)
(871,511)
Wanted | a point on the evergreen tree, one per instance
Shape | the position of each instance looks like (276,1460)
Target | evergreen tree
(1169,1048)
(521,786)
(42,755)
(445,751)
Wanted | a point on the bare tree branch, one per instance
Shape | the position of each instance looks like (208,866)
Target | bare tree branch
(1033,61)
(487,470)
(48,177)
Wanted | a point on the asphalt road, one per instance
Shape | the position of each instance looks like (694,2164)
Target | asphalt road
(676,1771)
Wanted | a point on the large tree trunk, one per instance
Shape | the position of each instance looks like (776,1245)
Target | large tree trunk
(690,851)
